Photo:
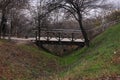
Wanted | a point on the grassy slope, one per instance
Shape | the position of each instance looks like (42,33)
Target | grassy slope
(25,62)
(102,58)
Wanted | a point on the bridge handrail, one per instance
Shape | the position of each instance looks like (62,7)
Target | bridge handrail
(61,30)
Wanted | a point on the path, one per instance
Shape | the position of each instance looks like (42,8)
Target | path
(44,39)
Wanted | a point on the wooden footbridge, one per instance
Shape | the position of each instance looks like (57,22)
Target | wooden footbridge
(59,37)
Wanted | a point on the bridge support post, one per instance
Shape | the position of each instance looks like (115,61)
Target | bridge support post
(59,37)
(72,37)
(47,36)
(36,35)
(39,33)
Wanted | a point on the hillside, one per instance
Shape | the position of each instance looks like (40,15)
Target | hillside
(25,62)
(28,62)
(100,60)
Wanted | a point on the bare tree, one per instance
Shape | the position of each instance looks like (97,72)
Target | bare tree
(78,8)
(5,7)
(41,13)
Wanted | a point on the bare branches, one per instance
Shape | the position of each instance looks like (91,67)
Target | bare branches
(77,8)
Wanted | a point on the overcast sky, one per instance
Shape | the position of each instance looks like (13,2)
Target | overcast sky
(116,3)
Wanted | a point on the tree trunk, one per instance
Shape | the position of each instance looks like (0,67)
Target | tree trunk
(3,24)
(0,29)
(4,28)
(10,31)
(83,31)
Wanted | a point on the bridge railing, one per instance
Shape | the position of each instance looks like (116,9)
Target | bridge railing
(59,34)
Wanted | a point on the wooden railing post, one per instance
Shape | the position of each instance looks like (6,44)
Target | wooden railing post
(39,33)
(47,35)
(72,37)
(59,36)
(36,35)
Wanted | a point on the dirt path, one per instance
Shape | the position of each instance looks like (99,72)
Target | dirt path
(22,42)
(19,41)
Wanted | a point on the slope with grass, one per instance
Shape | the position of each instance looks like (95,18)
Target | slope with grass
(25,62)
(28,62)
(101,59)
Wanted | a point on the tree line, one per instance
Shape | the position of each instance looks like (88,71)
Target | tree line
(20,17)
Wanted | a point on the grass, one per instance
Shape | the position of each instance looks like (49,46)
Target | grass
(28,62)
(97,60)
(25,62)
(35,49)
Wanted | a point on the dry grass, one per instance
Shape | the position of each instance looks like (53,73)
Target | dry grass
(19,62)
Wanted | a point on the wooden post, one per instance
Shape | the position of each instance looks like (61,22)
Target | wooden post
(36,35)
(59,37)
(47,35)
(39,33)
(72,37)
